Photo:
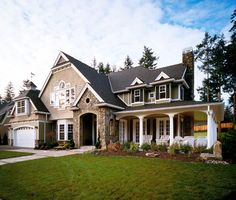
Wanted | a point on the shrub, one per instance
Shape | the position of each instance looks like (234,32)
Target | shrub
(114,147)
(186,148)
(200,149)
(145,146)
(66,146)
(71,144)
(98,143)
(133,146)
(162,147)
(228,141)
(154,146)
(126,146)
(174,149)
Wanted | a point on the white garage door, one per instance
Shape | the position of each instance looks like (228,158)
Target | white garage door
(24,137)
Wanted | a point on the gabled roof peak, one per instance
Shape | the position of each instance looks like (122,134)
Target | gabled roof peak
(162,75)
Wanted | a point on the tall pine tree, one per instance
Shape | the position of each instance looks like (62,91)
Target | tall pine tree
(148,60)
(128,63)
(9,93)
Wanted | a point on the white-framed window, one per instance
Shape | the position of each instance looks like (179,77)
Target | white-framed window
(21,107)
(151,96)
(61,131)
(70,131)
(137,95)
(62,96)
(162,91)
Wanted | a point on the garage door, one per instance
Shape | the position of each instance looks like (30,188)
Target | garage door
(24,137)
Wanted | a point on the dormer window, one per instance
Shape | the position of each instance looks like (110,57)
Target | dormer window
(137,95)
(21,107)
(162,90)
(62,85)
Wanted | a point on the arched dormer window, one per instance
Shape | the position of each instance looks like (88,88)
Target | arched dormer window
(62,84)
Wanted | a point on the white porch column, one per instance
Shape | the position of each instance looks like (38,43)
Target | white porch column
(179,125)
(140,130)
(171,116)
(211,129)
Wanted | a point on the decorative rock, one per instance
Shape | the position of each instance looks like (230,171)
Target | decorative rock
(208,156)
(216,162)
(152,154)
(217,150)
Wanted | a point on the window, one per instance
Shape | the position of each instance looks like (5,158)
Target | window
(167,127)
(61,131)
(136,95)
(70,131)
(151,95)
(21,107)
(162,90)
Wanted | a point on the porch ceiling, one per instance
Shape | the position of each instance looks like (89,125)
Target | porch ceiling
(174,107)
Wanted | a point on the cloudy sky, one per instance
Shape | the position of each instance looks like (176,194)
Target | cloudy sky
(32,33)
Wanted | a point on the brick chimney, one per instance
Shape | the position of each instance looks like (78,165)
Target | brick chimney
(188,61)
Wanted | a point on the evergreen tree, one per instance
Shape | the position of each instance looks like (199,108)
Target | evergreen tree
(107,69)
(230,66)
(9,94)
(203,53)
(101,68)
(148,60)
(94,63)
(128,63)
(228,116)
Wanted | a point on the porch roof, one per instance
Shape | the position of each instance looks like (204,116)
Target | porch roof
(174,107)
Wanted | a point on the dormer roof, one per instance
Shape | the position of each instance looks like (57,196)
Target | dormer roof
(120,81)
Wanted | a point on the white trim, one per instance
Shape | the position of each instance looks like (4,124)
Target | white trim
(168,108)
(162,75)
(136,86)
(61,54)
(45,83)
(29,126)
(32,104)
(136,80)
(110,105)
(80,74)
(162,81)
(41,112)
(87,86)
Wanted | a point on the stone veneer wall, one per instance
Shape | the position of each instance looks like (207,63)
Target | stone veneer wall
(105,119)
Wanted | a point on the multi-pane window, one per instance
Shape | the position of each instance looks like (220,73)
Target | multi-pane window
(21,106)
(137,96)
(137,132)
(162,91)
(70,131)
(167,127)
(161,127)
(61,131)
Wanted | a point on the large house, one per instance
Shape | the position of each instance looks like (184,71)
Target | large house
(76,102)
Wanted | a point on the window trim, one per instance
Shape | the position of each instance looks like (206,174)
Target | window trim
(19,107)
(137,96)
(151,93)
(162,92)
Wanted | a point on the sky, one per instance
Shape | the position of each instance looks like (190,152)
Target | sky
(32,33)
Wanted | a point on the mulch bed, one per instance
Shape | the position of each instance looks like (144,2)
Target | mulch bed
(194,157)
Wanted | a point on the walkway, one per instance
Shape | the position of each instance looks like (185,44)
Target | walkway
(37,154)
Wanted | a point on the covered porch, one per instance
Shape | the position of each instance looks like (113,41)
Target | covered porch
(169,122)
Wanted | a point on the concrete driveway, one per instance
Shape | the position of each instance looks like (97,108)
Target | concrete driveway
(37,154)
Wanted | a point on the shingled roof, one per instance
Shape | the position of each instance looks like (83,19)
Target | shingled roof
(33,95)
(122,79)
(99,82)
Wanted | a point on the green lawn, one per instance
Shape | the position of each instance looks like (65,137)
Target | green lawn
(197,134)
(110,177)
(11,154)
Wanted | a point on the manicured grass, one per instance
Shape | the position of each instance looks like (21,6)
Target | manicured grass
(12,154)
(197,134)
(115,177)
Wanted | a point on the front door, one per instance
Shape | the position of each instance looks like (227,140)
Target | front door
(163,127)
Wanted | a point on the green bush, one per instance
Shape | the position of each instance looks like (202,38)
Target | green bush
(174,149)
(145,146)
(185,148)
(126,146)
(228,141)
(199,149)
(154,146)
(158,147)
(133,146)
(71,144)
